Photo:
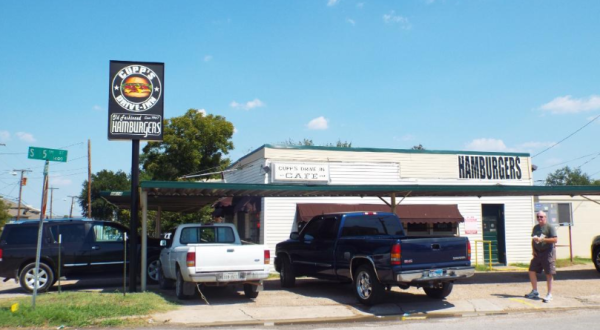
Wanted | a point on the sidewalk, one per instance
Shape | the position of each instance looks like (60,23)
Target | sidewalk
(320,301)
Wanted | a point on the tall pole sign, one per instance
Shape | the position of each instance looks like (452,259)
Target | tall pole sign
(135,112)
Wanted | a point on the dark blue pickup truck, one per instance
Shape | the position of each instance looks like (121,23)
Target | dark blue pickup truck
(371,250)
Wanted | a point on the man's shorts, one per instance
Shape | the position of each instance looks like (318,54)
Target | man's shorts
(545,260)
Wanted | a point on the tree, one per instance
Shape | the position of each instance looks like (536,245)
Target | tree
(105,180)
(418,147)
(309,142)
(192,143)
(569,177)
(4,216)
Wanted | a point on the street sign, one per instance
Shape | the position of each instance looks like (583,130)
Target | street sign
(54,155)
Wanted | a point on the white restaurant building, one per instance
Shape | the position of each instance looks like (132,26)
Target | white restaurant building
(507,221)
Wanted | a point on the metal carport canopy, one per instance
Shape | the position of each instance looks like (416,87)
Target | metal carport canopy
(182,196)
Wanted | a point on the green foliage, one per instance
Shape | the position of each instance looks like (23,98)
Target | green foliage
(569,177)
(80,309)
(310,142)
(191,143)
(4,216)
(105,180)
(418,147)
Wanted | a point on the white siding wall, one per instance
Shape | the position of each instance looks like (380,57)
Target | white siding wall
(250,172)
(586,225)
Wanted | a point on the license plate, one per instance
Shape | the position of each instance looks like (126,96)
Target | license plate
(436,273)
(230,276)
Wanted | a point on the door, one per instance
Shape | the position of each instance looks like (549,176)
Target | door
(107,247)
(69,239)
(494,231)
(303,252)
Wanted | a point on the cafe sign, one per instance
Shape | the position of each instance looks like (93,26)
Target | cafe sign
(300,172)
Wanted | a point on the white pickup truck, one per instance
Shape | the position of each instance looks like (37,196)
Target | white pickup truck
(211,254)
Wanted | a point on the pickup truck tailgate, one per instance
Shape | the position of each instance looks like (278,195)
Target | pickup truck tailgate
(420,253)
(217,257)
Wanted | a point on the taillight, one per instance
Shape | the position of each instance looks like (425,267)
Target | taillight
(468,250)
(267,257)
(396,254)
(0,254)
(190,260)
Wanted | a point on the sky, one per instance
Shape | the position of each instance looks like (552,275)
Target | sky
(487,75)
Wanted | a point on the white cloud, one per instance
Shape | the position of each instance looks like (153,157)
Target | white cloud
(202,111)
(208,58)
(27,137)
(235,130)
(567,104)
(486,145)
(392,18)
(351,21)
(60,181)
(408,137)
(534,145)
(4,136)
(256,103)
(97,108)
(319,123)
(360,5)
(332,3)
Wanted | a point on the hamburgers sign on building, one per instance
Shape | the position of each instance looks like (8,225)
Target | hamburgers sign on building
(135,102)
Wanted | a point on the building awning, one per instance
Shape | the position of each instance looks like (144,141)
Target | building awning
(409,213)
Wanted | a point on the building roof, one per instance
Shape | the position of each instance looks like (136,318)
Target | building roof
(191,196)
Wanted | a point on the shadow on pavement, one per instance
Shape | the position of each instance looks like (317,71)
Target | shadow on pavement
(522,277)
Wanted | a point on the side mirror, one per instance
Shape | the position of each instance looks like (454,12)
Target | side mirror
(294,235)
(163,242)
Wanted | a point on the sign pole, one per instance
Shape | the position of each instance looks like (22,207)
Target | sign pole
(40,230)
(133,225)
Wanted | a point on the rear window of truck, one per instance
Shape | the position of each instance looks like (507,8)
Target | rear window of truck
(16,235)
(371,225)
(206,235)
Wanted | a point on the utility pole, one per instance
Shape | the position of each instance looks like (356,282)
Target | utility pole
(51,196)
(72,200)
(20,191)
(89,196)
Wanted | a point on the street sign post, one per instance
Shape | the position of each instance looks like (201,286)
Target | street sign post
(53,155)
(49,155)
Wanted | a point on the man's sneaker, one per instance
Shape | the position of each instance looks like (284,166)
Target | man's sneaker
(548,298)
(533,294)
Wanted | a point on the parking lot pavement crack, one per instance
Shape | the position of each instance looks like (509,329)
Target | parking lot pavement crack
(250,316)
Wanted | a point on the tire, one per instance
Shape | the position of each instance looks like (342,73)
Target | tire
(163,282)
(153,270)
(251,291)
(179,283)
(596,258)
(439,292)
(287,277)
(367,288)
(27,277)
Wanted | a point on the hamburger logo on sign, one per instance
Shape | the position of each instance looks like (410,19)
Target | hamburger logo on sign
(136,88)
(135,105)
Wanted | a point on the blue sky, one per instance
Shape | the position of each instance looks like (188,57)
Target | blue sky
(490,75)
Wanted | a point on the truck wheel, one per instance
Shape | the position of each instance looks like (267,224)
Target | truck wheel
(440,292)
(45,277)
(179,287)
(286,275)
(366,286)
(163,282)
(251,291)
(596,258)
(153,269)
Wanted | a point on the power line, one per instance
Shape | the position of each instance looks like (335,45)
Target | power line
(557,143)
(568,161)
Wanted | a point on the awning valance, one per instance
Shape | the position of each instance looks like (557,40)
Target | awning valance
(415,213)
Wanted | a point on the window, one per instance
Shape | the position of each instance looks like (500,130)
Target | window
(202,235)
(22,235)
(71,233)
(311,231)
(421,228)
(329,228)
(107,233)
(443,227)
(371,225)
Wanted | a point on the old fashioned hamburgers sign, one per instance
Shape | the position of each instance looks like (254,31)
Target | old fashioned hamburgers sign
(135,102)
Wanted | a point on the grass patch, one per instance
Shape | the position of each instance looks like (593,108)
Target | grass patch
(81,309)
(576,261)
(520,265)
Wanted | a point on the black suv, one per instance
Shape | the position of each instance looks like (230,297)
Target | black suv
(596,252)
(87,247)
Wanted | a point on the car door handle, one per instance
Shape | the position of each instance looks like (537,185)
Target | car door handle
(95,248)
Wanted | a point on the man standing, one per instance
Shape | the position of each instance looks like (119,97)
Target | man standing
(544,255)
